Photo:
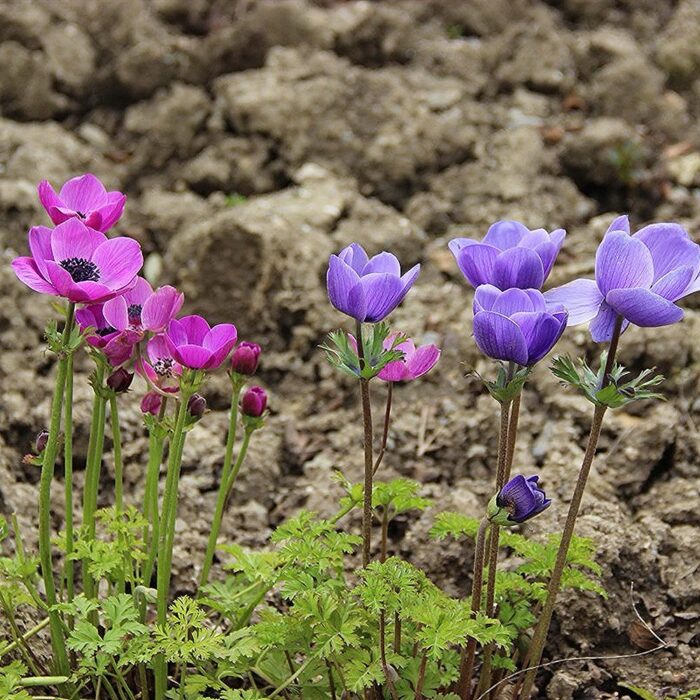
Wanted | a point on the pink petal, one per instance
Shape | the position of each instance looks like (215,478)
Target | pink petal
(195,327)
(27,272)
(423,360)
(192,356)
(119,260)
(73,239)
(49,199)
(176,334)
(139,293)
(40,247)
(157,348)
(84,193)
(112,211)
(116,312)
(161,307)
(396,371)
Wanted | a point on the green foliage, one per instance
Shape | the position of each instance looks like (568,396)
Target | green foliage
(505,388)
(645,694)
(10,682)
(618,392)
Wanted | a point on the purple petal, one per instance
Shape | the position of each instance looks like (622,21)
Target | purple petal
(40,247)
(477,263)
(505,234)
(517,495)
(162,306)
(581,298)
(621,223)
(422,360)
(27,272)
(116,313)
(111,212)
(518,267)
(119,260)
(644,308)
(409,278)
(541,332)
(220,340)
(675,284)
(485,296)
(456,244)
(536,299)
(84,193)
(499,337)
(622,262)
(512,301)
(354,256)
(50,200)
(396,371)
(341,280)
(139,293)
(670,248)
(196,329)
(192,356)
(603,324)
(384,262)
(157,348)
(549,250)
(383,293)
(73,239)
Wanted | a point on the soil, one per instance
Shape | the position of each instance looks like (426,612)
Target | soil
(253,138)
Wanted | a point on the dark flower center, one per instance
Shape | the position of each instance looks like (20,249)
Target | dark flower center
(80,269)
(134,313)
(163,366)
(81,215)
(105,331)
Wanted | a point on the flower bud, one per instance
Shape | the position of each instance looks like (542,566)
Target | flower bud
(197,405)
(120,380)
(41,439)
(245,359)
(151,403)
(254,402)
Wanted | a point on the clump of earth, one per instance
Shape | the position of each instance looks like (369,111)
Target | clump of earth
(254,138)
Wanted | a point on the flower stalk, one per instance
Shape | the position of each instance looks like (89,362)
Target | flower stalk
(68,564)
(369,461)
(387,424)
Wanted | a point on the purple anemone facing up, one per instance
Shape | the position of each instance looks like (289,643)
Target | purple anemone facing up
(510,255)
(519,500)
(194,344)
(79,263)
(367,289)
(84,198)
(638,277)
(516,325)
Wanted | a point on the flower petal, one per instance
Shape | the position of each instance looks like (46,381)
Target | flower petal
(140,292)
(670,248)
(383,293)
(396,371)
(675,284)
(644,308)
(119,260)
(505,234)
(354,256)
(84,193)
(341,279)
(623,262)
(40,247)
(27,272)
(196,328)
(111,212)
(581,298)
(541,331)
(422,360)
(477,262)
(384,262)
(485,296)
(193,356)
(220,340)
(499,337)
(73,239)
(621,223)
(518,267)
(116,313)
(603,324)
(456,244)
(162,306)
(49,200)
(512,301)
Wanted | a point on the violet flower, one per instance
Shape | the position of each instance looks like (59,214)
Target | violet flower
(161,369)
(415,361)
(79,263)
(194,344)
(367,289)
(516,325)
(85,198)
(638,277)
(519,500)
(510,255)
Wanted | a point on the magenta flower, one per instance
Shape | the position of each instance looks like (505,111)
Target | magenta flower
(415,362)
(195,345)
(638,277)
(510,255)
(161,369)
(367,289)
(92,316)
(516,325)
(141,309)
(78,263)
(245,358)
(151,403)
(254,402)
(85,198)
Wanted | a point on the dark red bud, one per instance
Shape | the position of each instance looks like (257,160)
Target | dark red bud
(120,380)
(245,358)
(41,439)
(197,405)
(254,402)
(151,403)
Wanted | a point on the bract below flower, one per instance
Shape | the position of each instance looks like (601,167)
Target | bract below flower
(510,255)
(85,198)
(367,289)
(79,263)
(516,325)
(415,362)
(638,277)
(194,344)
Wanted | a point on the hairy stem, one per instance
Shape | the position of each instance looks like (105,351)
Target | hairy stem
(118,478)
(68,564)
(397,633)
(369,465)
(421,677)
(382,655)
(387,424)
(466,666)
(512,435)
(58,641)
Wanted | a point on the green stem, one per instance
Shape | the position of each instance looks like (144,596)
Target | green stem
(39,681)
(27,635)
(68,564)
(58,642)
(540,635)
(293,677)
(224,489)
(118,478)
(387,424)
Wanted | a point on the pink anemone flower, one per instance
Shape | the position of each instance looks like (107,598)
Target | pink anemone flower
(194,344)
(415,361)
(161,369)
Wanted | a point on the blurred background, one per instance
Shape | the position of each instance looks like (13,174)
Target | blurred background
(255,137)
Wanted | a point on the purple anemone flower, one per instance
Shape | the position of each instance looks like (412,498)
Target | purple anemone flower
(415,362)
(254,402)
(521,499)
(161,369)
(79,263)
(194,344)
(93,317)
(516,325)
(367,289)
(638,277)
(85,198)
(141,309)
(510,255)
(245,359)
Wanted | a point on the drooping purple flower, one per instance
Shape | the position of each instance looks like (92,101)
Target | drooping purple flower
(197,406)
(519,500)
(415,361)
(151,403)
(367,289)
(516,325)
(92,316)
(254,402)
(510,255)
(194,344)
(120,380)
(638,277)
(79,263)
(245,358)
(161,369)
(85,198)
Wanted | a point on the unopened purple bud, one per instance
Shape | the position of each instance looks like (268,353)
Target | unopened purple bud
(197,405)
(120,380)
(151,403)
(254,402)
(41,439)
(245,358)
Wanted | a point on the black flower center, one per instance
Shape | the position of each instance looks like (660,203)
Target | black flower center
(102,332)
(80,269)
(81,215)
(134,313)
(163,366)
